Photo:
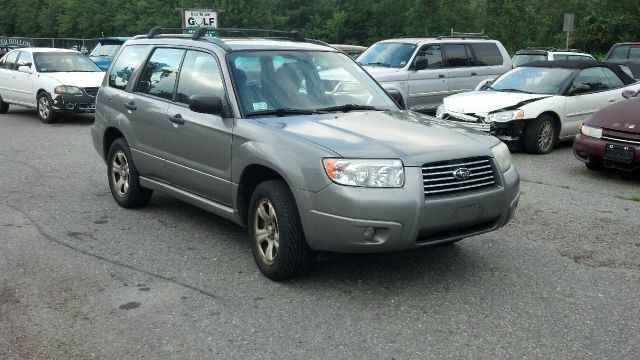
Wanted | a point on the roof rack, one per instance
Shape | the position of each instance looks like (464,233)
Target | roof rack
(553,49)
(460,35)
(200,32)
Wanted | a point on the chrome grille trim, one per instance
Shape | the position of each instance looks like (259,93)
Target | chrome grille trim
(92,91)
(615,138)
(481,175)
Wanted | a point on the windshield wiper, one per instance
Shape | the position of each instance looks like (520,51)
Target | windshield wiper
(379,64)
(283,112)
(513,90)
(349,107)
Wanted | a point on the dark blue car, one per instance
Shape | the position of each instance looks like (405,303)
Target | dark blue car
(106,49)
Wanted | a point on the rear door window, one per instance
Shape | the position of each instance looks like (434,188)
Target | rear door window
(10,60)
(456,55)
(200,75)
(158,77)
(487,54)
(124,67)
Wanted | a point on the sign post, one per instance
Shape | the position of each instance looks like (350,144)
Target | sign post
(567,26)
(195,18)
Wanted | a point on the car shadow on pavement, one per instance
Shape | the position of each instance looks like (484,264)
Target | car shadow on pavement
(63,119)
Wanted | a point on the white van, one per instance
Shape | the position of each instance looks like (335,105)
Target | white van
(420,72)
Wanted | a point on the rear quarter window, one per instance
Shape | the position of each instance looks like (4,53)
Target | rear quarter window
(619,53)
(487,54)
(128,61)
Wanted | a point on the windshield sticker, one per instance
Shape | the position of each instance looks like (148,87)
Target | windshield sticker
(260,106)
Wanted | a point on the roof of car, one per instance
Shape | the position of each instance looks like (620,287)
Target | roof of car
(582,64)
(45,49)
(236,44)
(545,52)
(438,39)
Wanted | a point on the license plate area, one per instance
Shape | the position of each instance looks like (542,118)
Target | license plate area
(618,154)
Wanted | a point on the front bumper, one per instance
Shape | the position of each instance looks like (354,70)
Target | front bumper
(591,150)
(359,220)
(74,104)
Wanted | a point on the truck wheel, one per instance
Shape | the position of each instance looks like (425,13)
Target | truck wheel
(45,109)
(277,240)
(4,107)
(540,135)
(123,177)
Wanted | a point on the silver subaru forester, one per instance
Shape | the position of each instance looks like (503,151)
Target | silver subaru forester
(294,140)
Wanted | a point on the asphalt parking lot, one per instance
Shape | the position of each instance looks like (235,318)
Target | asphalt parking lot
(83,278)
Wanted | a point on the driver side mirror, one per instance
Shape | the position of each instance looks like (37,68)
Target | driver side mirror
(580,89)
(206,104)
(628,93)
(420,63)
(25,68)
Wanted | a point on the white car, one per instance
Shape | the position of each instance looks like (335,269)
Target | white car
(51,80)
(550,54)
(540,103)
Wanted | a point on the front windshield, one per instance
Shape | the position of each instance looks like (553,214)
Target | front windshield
(388,54)
(310,81)
(105,50)
(533,80)
(522,59)
(63,62)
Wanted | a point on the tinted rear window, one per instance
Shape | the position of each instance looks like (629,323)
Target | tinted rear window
(487,54)
(619,53)
(519,60)
(456,55)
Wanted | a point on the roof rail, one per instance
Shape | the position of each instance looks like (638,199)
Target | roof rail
(551,48)
(460,35)
(200,32)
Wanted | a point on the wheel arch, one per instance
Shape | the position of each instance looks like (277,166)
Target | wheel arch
(252,175)
(110,135)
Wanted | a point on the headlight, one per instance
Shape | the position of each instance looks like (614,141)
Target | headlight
(365,172)
(68,90)
(592,131)
(439,111)
(502,155)
(504,116)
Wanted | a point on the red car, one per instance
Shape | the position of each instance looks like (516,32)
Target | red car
(610,138)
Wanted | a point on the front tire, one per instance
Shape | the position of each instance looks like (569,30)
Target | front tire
(541,135)
(45,108)
(277,239)
(4,107)
(124,181)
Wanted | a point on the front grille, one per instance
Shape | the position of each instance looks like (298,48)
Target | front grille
(621,139)
(92,91)
(438,178)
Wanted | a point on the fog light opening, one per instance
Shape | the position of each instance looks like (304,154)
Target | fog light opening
(70,106)
(369,233)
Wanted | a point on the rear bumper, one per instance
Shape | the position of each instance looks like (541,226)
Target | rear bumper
(360,220)
(74,104)
(591,150)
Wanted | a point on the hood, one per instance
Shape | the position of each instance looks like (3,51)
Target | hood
(414,138)
(103,62)
(80,79)
(621,116)
(484,102)
(382,73)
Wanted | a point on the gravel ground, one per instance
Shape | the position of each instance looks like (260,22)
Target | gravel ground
(83,278)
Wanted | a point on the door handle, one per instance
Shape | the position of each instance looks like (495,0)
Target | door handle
(612,100)
(176,119)
(441,76)
(474,74)
(130,105)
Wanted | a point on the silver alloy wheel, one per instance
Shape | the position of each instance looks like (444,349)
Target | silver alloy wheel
(43,107)
(120,173)
(545,136)
(267,233)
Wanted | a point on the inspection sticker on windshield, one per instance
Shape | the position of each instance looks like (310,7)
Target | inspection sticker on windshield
(260,106)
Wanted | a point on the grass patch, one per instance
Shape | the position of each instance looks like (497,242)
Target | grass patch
(632,196)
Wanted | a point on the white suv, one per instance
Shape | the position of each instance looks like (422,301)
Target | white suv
(420,72)
(550,54)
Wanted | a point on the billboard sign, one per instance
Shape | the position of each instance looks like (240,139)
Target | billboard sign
(195,18)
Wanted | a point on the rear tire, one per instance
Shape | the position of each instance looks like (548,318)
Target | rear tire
(277,239)
(540,135)
(4,107)
(45,108)
(124,181)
